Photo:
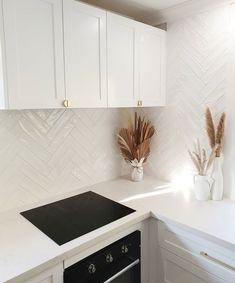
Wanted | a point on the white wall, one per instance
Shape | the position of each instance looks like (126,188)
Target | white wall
(198,75)
(44,153)
(51,152)
(230,168)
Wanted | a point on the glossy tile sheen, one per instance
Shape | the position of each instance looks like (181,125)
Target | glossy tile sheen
(197,72)
(50,152)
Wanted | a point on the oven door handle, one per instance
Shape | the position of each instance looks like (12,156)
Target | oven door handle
(128,267)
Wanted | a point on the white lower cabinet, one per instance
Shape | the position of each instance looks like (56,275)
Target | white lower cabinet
(187,257)
(178,270)
(169,254)
(52,275)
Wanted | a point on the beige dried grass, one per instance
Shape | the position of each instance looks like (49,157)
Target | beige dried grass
(220,134)
(134,142)
(200,160)
(210,127)
(216,137)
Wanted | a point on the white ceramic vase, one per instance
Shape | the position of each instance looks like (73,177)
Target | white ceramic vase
(217,176)
(202,187)
(137,174)
(137,171)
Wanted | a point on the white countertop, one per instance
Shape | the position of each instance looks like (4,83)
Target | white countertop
(23,248)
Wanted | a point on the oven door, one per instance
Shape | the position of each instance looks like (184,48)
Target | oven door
(126,270)
(129,274)
(117,263)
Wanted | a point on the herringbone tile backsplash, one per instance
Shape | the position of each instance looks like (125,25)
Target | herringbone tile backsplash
(50,152)
(197,73)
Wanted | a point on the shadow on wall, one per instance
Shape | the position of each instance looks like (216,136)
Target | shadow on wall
(198,67)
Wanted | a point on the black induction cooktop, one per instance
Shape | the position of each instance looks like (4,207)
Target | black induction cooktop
(73,217)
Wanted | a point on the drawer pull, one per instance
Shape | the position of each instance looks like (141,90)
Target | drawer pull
(215,260)
(66,103)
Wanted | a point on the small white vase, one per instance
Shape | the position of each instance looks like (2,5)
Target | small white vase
(202,187)
(217,176)
(137,174)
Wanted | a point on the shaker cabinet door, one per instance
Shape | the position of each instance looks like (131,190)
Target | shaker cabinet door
(121,61)
(136,63)
(33,51)
(85,55)
(65,53)
(150,64)
(52,275)
(178,270)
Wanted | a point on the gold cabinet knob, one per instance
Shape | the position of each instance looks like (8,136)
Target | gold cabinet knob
(139,103)
(66,103)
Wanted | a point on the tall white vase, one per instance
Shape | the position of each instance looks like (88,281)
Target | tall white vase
(217,176)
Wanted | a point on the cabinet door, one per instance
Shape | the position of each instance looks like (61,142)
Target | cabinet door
(178,270)
(85,55)
(150,64)
(33,34)
(121,65)
(3,94)
(53,275)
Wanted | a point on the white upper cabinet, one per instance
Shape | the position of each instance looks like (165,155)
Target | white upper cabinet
(65,53)
(136,63)
(121,61)
(32,49)
(85,55)
(150,65)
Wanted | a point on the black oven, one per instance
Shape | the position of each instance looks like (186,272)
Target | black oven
(116,263)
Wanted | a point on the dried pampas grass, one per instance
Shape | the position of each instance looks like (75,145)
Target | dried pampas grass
(200,160)
(210,128)
(220,134)
(216,137)
(134,142)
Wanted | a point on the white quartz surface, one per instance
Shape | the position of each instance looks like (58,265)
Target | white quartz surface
(25,250)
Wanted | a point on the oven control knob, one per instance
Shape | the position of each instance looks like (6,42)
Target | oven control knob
(91,268)
(124,249)
(109,258)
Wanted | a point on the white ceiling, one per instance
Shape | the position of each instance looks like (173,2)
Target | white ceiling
(139,9)
(154,4)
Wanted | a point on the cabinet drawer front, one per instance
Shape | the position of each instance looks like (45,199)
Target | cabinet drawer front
(178,270)
(197,250)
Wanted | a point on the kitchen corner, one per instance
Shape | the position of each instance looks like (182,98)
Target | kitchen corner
(25,250)
(117,142)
